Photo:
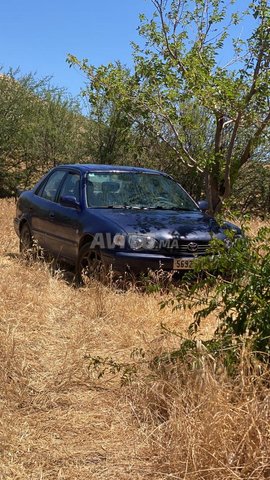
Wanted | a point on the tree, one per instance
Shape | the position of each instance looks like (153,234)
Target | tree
(251,191)
(109,139)
(41,126)
(211,117)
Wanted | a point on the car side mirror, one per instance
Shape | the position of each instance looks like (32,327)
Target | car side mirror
(203,204)
(70,201)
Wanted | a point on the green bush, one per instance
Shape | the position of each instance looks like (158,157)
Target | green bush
(233,282)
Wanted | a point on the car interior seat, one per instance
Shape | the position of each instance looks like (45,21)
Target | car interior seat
(110,192)
(72,187)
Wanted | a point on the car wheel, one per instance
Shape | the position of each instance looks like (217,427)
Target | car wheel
(26,241)
(89,265)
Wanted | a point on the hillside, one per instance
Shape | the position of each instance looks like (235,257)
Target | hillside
(59,421)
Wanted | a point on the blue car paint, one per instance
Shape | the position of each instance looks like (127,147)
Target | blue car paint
(62,230)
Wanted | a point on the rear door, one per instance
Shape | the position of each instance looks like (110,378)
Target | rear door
(43,209)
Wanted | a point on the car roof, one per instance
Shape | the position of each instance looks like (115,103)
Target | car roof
(95,167)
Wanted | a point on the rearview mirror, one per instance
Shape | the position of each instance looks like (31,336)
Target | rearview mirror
(70,201)
(203,204)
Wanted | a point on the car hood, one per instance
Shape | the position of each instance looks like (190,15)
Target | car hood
(164,223)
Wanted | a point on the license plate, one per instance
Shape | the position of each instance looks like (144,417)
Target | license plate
(182,263)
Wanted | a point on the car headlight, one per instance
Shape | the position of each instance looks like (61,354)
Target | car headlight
(142,242)
(119,240)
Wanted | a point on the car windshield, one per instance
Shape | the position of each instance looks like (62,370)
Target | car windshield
(136,190)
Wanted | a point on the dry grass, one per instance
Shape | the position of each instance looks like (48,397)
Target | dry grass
(201,425)
(58,421)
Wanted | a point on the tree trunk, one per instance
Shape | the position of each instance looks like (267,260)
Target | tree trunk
(212,187)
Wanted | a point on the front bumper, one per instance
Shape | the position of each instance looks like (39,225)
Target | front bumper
(121,261)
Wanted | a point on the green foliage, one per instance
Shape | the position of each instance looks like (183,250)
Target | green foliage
(103,366)
(234,284)
(251,192)
(40,127)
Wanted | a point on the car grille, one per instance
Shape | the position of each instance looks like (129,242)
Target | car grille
(185,249)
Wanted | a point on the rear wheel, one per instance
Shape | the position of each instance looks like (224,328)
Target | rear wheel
(26,241)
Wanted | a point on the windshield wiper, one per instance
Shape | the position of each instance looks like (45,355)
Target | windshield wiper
(141,207)
(183,209)
(127,207)
(161,207)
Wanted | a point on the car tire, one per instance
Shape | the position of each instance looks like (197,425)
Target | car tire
(89,265)
(26,241)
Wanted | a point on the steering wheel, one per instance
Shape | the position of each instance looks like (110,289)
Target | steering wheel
(164,201)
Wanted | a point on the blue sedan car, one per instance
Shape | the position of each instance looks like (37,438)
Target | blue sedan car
(125,218)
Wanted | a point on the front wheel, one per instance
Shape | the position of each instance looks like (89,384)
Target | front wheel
(89,265)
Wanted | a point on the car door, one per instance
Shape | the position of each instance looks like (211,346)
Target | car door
(57,227)
(67,220)
(43,209)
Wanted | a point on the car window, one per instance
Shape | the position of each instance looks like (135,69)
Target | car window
(50,188)
(71,186)
(136,190)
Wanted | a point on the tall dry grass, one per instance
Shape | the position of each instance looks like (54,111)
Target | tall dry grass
(58,421)
(200,424)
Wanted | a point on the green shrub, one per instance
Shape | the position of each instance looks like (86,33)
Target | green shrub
(234,283)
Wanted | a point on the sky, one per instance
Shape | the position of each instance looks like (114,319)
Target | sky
(37,35)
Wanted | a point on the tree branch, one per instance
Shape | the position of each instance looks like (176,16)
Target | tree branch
(227,173)
(252,141)
(160,9)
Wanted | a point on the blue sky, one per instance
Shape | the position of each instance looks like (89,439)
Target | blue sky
(37,35)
